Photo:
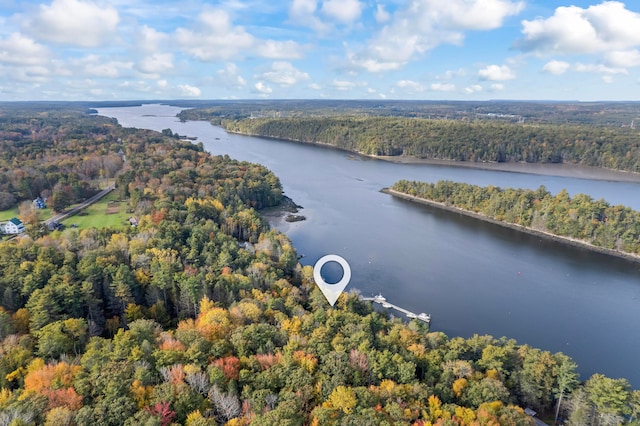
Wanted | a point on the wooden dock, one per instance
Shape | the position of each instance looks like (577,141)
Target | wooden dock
(380,299)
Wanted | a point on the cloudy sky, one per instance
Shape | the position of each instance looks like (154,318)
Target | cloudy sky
(284,49)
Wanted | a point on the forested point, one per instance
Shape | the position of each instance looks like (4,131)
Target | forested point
(614,148)
(201,315)
(580,217)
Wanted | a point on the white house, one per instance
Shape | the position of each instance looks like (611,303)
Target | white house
(14,226)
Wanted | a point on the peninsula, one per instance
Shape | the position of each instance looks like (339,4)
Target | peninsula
(579,220)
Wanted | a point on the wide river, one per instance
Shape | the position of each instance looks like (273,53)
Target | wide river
(471,276)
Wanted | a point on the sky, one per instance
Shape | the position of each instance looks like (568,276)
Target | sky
(319,49)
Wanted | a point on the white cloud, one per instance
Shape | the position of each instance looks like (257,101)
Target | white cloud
(190,91)
(371,64)
(473,89)
(573,30)
(20,50)
(305,13)
(96,67)
(382,15)
(421,25)
(263,88)
(150,40)
(230,77)
(75,22)
(556,67)
(443,87)
(215,38)
(343,11)
(497,87)
(410,85)
(496,73)
(137,86)
(343,85)
(156,64)
(448,75)
(624,59)
(276,49)
(284,74)
(599,69)
(315,86)
(302,13)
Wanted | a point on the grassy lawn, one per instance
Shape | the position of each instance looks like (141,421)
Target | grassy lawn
(8,214)
(43,214)
(95,216)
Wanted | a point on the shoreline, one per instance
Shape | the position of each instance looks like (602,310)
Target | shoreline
(547,235)
(287,210)
(577,171)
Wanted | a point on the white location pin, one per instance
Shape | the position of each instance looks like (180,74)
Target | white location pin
(332,291)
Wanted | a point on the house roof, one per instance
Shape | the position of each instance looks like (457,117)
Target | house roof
(15,221)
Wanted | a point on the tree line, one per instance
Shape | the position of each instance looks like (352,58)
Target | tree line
(593,221)
(202,315)
(606,114)
(459,140)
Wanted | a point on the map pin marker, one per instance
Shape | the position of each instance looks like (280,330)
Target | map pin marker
(332,291)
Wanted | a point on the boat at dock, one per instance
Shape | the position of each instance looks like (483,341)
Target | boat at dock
(381,300)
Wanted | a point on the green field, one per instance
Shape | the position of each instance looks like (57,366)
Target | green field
(8,214)
(43,214)
(95,216)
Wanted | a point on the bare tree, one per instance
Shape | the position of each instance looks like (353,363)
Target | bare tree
(271,400)
(227,405)
(165,373)
(15,416)
(198,382)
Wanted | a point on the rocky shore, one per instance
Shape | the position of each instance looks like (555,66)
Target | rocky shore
(287,209)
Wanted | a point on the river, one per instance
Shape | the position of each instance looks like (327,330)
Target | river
(471,276)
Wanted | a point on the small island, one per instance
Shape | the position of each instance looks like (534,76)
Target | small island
(578,220)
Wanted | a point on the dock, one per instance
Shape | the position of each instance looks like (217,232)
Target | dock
(381,300)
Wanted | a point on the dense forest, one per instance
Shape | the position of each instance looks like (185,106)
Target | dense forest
(54,153)
(473,141)
(579,217)
(202,315)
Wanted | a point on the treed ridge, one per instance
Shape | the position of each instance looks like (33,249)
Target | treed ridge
(473,141)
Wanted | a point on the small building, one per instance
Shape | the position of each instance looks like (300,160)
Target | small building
(14,226)
(39,203)
(54,225)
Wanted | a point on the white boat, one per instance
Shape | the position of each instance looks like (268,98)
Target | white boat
(424,317)
(379,298)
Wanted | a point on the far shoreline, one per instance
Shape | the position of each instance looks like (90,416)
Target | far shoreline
(576,171)
(547,235)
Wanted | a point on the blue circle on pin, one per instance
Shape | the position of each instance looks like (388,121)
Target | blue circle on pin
(332,291)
